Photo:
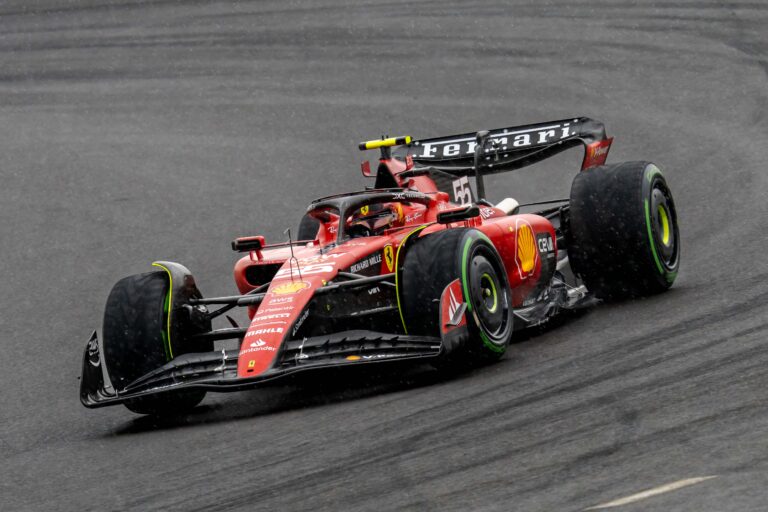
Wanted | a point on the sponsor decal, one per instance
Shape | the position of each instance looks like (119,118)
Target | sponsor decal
(596,153)
(299,322)
(373,290)
(265,330)
(318,259)
(380,356)
(261,318)
(258,343)
(272,310)
(364,210)
(401,196)
(93,351)
(506,140)
(251,364)
(487,212)
(372,357)
(307,269)
(280,300)
(251,350)
(450,302)
(453,305)
(544,241)
(389,258)
(526,255)
(412,217)
(363,264)
(289,288)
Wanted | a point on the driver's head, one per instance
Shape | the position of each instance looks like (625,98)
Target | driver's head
(375,219)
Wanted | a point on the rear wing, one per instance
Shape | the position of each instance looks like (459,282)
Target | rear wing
(510,148)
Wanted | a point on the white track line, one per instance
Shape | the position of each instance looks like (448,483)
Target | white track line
(672,486)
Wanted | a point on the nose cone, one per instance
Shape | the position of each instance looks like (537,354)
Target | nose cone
(280,309)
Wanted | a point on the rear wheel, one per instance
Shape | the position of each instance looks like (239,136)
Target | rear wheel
(137,341)
(623,238)
(431,264)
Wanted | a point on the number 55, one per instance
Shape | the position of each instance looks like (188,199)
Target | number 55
(462,194)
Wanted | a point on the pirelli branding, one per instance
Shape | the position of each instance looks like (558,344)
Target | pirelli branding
(506,139)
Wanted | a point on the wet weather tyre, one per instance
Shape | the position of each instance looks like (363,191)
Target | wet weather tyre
(436,260)
(135,341)
(623,237)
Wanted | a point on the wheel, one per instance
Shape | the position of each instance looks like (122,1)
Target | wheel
(432,263)
(623,239)
(136,341)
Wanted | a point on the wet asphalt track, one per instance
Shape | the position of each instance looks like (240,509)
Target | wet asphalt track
(132,132)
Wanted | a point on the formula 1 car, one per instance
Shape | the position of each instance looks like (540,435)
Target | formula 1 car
(418,267)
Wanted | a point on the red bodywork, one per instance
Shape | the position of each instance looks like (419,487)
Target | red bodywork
(521,241)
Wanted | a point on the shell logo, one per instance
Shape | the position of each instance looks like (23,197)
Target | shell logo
(288,288)
(526,249)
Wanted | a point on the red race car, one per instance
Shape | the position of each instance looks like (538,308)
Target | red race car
(420,266)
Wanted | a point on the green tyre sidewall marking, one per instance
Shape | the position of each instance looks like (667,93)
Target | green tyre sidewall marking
(166,334)
(465,289)
(652,242)
(651,172)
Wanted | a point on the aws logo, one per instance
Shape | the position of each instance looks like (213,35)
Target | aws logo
(526,254)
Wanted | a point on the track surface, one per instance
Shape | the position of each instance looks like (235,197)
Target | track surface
(133,132)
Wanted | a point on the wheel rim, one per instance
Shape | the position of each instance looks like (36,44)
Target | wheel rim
(664,218)
(665,232)
(489,297)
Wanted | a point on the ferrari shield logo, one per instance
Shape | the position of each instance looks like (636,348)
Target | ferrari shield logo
(389,258)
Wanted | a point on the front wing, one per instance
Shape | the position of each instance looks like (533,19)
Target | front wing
(217,371)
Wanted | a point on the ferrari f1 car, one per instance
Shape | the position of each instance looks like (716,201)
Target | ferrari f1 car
(420,266)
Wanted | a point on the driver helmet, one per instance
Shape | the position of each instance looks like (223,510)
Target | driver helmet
(372,220)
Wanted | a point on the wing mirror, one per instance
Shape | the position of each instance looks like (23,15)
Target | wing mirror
(458,214)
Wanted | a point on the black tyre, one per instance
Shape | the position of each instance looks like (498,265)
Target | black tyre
(623,238)
(136,341)
(433,262)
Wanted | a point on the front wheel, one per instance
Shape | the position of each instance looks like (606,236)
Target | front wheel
(138,338)
(434,262)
